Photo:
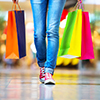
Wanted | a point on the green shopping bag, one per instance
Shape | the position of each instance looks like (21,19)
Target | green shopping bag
(71,40)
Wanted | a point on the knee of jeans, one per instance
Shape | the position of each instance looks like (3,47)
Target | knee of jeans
(39,34)
(53,30)
(52,33)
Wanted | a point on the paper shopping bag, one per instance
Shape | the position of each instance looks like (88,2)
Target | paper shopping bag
(15,43)
(71,40)
(87,45)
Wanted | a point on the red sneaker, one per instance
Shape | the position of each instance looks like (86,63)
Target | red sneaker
(49,79)
(42,75)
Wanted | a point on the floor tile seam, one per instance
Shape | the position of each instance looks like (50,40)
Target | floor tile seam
(8,83)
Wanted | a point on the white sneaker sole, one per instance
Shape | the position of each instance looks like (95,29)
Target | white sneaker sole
(42,80)
(49,81)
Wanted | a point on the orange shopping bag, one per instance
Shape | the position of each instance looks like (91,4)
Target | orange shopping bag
(15,43)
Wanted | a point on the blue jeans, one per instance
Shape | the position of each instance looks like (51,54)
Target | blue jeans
(52,9)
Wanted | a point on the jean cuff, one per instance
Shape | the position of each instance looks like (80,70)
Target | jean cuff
(49,70)
(41,64)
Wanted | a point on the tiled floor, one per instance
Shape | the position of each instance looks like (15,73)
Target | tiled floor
(23,84)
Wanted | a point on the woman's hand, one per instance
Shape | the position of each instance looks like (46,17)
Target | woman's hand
(15,1)
(80,0)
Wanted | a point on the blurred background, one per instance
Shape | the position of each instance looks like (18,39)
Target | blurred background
(92,6)
(75,79)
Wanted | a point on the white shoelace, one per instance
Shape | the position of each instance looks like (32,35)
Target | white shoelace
(42,71)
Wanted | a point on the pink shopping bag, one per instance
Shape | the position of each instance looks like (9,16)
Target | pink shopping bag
(87,45)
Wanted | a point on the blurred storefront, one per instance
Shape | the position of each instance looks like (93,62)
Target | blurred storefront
(92,6)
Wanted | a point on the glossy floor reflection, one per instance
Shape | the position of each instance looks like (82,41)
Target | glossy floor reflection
(23,84)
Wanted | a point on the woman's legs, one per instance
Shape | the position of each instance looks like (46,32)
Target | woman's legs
(55,8)
(47,57)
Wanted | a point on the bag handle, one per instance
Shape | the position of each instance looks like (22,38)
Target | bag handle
(75,7)
(79,5)
(15,8)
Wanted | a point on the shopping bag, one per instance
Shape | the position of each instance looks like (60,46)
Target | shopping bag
(87,45)
(71,40)
(15,43)
(82,26)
